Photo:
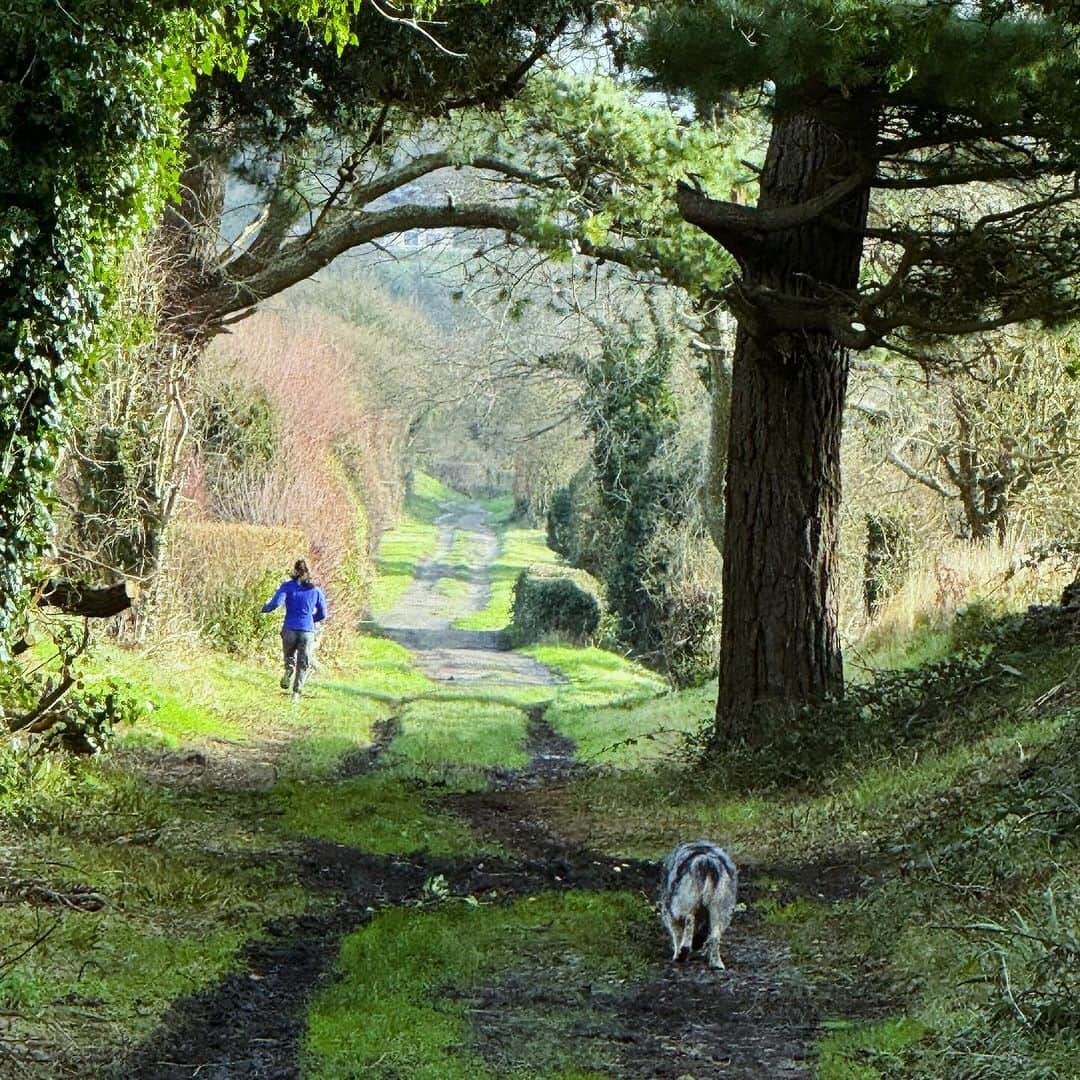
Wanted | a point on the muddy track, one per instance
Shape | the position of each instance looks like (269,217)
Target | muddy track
(365,758)
(756,1020)
(250,1025)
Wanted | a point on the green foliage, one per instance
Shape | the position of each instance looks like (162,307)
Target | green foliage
(906,50)
(232,619)
(89,122)
(576,526)
(889,545)
(641,489)
(615,163)
(237,429)
(690,635)
(91,102)
(91,714)
(554,601)
(58,707)
(560,521)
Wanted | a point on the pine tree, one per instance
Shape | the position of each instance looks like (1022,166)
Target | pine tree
(920,182)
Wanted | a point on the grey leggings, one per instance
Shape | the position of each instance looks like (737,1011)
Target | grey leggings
(296,646)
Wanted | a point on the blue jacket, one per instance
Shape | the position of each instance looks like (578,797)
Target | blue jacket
(305,605)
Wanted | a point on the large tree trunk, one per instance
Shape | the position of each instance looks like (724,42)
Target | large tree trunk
(779,640)
(780,645)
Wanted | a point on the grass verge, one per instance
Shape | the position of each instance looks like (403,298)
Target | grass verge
(411,971)
(518,548)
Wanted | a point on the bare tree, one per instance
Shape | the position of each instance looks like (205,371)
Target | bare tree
(996,432)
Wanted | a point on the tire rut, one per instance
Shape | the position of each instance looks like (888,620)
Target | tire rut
(754,1021)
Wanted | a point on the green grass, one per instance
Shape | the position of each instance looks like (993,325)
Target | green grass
(929,641)
(399,1006)
(641,810)
(518,549)
(429,498)
(643,733)
(865,1051)
(379,668)
(502,508)
(194,695)
(210,700)
(380,813)
(596,677)
(182,882)
(400,551)
(466,731)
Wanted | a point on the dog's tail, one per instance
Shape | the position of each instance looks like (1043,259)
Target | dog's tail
(708,871)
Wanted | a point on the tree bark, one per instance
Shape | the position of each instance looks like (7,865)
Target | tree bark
(712,492)
(780,646)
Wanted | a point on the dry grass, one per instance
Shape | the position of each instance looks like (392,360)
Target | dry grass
(952,582)
(205,558)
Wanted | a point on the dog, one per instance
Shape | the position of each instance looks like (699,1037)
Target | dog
(697,898)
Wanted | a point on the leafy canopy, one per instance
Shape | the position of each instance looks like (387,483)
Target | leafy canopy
(985,61)
(91,98)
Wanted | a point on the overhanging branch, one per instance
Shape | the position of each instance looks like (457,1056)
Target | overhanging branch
(735,226)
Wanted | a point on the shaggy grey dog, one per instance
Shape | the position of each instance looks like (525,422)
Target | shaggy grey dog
(697,897)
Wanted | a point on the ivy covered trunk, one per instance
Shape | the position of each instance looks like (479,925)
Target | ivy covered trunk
(780,645)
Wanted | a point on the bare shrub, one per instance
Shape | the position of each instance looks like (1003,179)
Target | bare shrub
(207,561)
(333,472)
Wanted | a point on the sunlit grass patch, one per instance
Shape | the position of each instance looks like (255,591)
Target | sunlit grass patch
(519,548)
(195,695)
(464,731)
(865,1051)
(653,731)
(428,498)
(400,552)
(597,677)
(214,700)
(380,813)
(503,509)
(398,1005)
(454,592)
(377,667)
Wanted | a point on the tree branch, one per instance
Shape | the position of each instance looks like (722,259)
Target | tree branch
(94,603)
(733,225)
(893,456)
(308,254)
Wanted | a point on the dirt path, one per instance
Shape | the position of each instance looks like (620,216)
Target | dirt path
(756,1020)
(422,623)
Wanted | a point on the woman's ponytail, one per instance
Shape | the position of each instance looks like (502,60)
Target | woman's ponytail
(300,573)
